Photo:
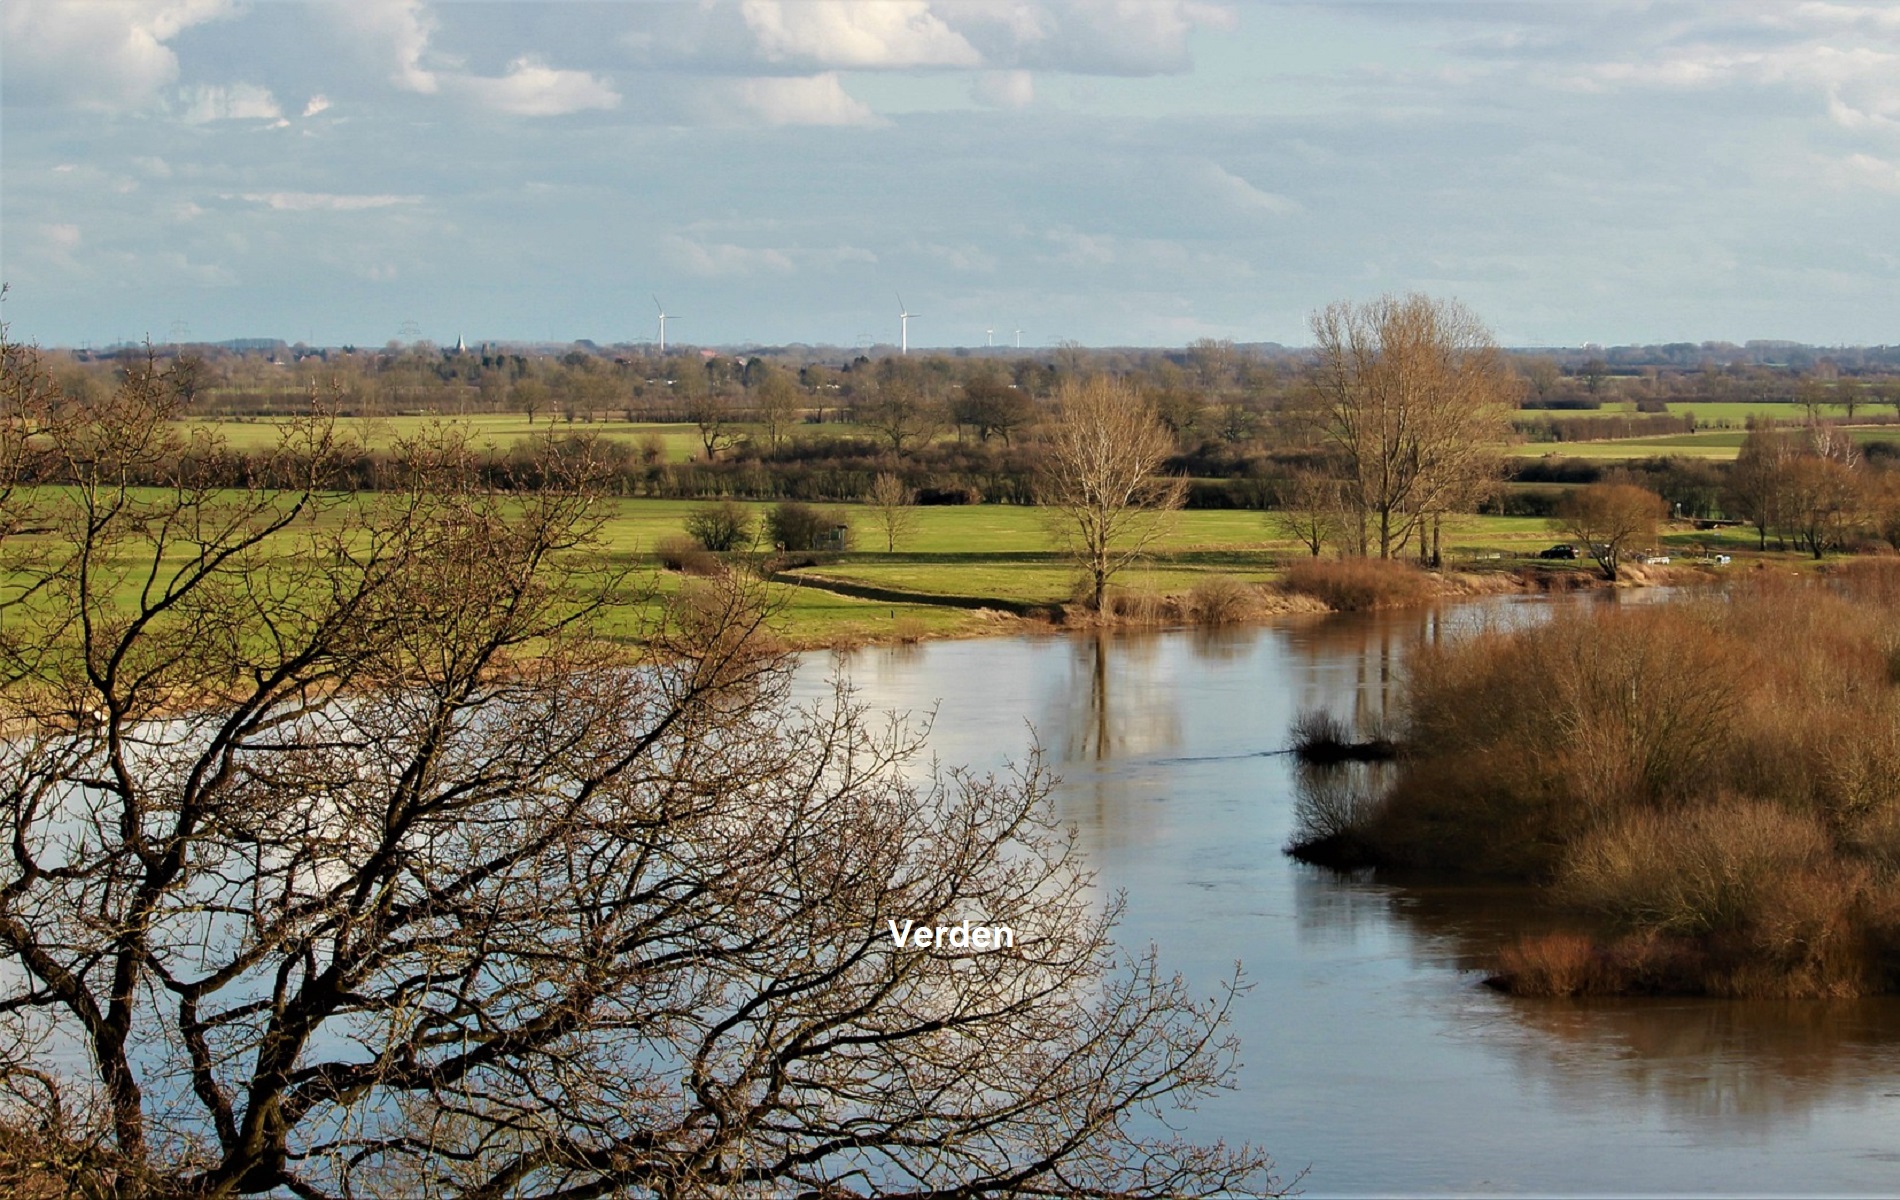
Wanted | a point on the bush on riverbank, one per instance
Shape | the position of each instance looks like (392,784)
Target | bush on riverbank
(1358,584)
(1716,781)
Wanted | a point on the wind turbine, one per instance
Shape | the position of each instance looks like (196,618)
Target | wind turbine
(989,336)
(663,315)
(903,320)
(1019,339)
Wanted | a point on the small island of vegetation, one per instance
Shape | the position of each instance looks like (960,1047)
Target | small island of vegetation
(1711,785)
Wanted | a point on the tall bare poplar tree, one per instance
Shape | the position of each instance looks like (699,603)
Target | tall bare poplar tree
(1415,397)
(1102,478)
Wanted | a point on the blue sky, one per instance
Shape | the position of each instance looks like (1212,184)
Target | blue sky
(1116,172)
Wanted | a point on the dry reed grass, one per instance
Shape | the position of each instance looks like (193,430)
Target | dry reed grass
(1359,584)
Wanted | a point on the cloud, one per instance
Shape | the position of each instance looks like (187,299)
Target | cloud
(1126,37)
(966,258)
(1867,171)
(716,259)
(713,260)
(533,89)
(322,201)
(315,105)
(63,236)
(813,100)
(1225,186)
(236,102)
(402,32)
(1004,89)
(856,35)
(109,55)
(398,32)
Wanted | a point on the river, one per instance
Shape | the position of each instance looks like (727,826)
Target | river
(1373,1056)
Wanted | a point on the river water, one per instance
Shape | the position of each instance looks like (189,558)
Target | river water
(1374,1058)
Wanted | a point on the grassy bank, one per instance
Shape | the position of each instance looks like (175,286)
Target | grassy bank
(1712,787)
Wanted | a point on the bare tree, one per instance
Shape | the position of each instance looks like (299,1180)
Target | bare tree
(1610,518)
(711,412)
(1311,509)
(1102,478)
(1415,397)
(1755,483)
(775,400)
(893,507)
(344,858)
(897,409)
(1821,502)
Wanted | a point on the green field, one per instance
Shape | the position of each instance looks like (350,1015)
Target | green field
(1719,445)
(1712,413)
(499,431)
(972,552)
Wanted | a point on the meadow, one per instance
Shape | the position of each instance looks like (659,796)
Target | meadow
(955,558)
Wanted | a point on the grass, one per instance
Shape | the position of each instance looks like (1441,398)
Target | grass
(497,430)
(1716,413)
(996,552)
(1719,445)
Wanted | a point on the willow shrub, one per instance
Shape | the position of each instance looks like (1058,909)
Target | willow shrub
(1716,780)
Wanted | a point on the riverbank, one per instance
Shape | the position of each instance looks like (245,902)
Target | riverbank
(1306,586)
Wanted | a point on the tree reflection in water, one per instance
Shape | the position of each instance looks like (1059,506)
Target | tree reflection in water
(1738,1066)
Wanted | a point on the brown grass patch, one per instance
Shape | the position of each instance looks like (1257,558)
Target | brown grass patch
(1359,584)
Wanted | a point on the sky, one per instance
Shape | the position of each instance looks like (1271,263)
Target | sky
(1109,172)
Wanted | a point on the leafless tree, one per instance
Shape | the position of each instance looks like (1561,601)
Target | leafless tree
(1415,397)
(1609,519)
(343,858)
(1103,479)
(893,507)
(711,412)
(776,402)
(898,409)
(1822,502)
(1311,510)
(1755,481)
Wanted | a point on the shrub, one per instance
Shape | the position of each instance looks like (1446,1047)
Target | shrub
(1358,584)
(797,527)
(720,527)
(687,556)
(1220,600)
(1555,964)
(1713,868)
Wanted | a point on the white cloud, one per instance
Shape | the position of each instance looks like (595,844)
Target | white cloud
(1223,185)
(713,260)
(100,54)
(965,258)
(533,89)
(1865,170)
(315,105)
(398,32)
(1004,89)
(1130,37)
(63,236)
(323,201)
(236,102)
(813,100)
(855,34)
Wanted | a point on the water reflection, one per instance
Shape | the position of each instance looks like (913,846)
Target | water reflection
(1730,1066)
(1120,701)
(1369,1014)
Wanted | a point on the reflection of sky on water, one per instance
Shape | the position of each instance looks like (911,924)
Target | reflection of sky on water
(1372,1051)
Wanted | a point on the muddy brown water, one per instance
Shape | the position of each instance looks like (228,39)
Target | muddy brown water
(1373,1056)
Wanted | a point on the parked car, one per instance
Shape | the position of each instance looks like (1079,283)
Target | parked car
(1564,551)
